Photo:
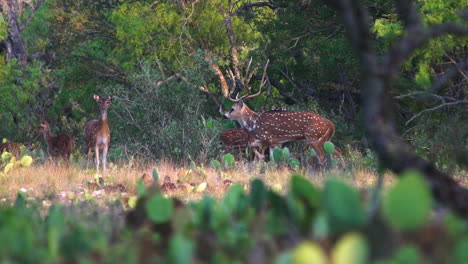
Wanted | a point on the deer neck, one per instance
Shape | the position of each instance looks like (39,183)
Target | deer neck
(248,120)
(103,117)
(47,136)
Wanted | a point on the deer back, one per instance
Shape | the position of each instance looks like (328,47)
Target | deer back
(59,145)
(12,147)
(282,126)
(234,138)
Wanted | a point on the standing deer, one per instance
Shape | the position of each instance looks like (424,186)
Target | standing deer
(58,146)
(275,127)
(97,134)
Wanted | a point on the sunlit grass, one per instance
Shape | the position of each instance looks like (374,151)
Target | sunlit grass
(48,179)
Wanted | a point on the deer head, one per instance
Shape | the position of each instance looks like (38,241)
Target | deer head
(43,128)
(103,102)
(240,111)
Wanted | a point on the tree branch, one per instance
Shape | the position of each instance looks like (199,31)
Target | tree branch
(408,13)
(249,6)
(224,86)
(416,38)
(31,15)
(377,79)
(436,108)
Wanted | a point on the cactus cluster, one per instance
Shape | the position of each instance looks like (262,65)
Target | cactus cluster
(9,162)
(281,156)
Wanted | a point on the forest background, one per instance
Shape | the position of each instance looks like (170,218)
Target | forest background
(171,66)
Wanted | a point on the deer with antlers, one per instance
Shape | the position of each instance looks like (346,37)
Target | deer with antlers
(275,127)
(97,134)
(58,146)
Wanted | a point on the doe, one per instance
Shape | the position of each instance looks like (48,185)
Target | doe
(58,146)
(97,134)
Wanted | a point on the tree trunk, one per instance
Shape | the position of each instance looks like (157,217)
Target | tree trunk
(14,45)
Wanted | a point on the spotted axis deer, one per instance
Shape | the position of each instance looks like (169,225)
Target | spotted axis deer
(58,146)
(270,128)
(235,140)
(11,147)
(97,134)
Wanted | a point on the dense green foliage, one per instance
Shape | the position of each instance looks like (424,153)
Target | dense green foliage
(257,225)
(157,59)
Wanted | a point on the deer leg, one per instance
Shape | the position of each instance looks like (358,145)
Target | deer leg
(96,158)
(87,158)
(318,150)
(337,152)
(104,158)
(66,156)
(258,154)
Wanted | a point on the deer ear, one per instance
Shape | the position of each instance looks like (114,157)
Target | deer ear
(96,97)
(111,97)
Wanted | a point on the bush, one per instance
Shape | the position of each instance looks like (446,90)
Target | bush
(162,121)
(329,225)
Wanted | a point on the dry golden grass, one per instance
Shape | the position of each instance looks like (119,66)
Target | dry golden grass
(44,180)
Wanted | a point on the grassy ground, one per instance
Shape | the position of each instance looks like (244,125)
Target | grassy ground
(49,180)
(61,184)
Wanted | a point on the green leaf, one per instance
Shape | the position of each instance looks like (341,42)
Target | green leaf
(26,161)
(309,252)
(228,160)
(193,166)
(407,204)
(132,201)
(155,175)
(181,250)
(352,248)
(328,147)
(216,164)
(312,152)
(235,200)
(6,156)
(141,188)
(303,189)
(159,209)
(284,258)
(342,206)
(461,251)
(8,168)
(321,229)
(286,155)
(408,255)
(294,163)
(55,228)
(278,155)
(258,194)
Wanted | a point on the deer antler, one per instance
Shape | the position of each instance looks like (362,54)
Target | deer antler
(263,82)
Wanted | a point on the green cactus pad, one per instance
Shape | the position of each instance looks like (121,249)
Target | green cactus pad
(329,147)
